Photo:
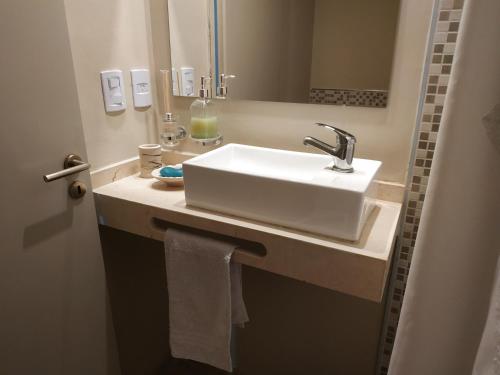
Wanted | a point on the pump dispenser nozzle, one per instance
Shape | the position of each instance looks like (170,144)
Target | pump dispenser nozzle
(203,87)
(222,89)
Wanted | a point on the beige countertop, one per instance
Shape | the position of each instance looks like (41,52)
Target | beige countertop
(146,207)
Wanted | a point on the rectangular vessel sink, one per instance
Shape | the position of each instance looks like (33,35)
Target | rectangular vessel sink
(291,189)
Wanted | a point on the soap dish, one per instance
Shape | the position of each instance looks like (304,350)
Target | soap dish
(170,181)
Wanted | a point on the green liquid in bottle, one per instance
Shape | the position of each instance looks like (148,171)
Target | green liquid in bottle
(204,127)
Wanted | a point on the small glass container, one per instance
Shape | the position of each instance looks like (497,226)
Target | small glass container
(170,132)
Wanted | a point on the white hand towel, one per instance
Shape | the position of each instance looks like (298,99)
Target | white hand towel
(205,297)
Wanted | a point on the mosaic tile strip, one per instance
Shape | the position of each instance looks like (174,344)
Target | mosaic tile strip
(441,60)
(360,98)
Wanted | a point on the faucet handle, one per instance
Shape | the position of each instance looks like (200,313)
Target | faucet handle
(343,136)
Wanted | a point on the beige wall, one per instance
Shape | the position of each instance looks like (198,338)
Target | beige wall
(189,37)
(296,80)
(280,33)
(110,34)
(369,26)
(300,44)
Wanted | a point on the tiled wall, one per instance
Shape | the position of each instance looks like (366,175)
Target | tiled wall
(360,98)
(441,60)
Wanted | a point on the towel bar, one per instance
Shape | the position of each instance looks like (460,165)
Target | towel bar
(251,247)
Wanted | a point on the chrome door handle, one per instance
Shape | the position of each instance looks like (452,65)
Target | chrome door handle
(72,164)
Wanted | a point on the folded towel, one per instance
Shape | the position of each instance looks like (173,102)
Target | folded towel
(205,298)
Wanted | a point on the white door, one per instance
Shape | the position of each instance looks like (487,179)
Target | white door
(53,305)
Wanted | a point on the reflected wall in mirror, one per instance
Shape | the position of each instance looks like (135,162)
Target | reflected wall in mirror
(302,51)
(190,26)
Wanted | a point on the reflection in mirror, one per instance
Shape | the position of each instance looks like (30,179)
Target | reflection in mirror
(301,51)
(190,44)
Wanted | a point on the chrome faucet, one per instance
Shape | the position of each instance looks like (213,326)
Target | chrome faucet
(342,153)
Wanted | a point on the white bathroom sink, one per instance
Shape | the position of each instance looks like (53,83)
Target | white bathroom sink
(291,189)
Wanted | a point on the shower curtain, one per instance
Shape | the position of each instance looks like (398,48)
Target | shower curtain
(450,320)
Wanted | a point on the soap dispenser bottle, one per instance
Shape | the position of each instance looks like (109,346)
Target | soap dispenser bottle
(203,115)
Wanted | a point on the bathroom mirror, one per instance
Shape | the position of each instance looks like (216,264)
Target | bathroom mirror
(190,28)
(333,52)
